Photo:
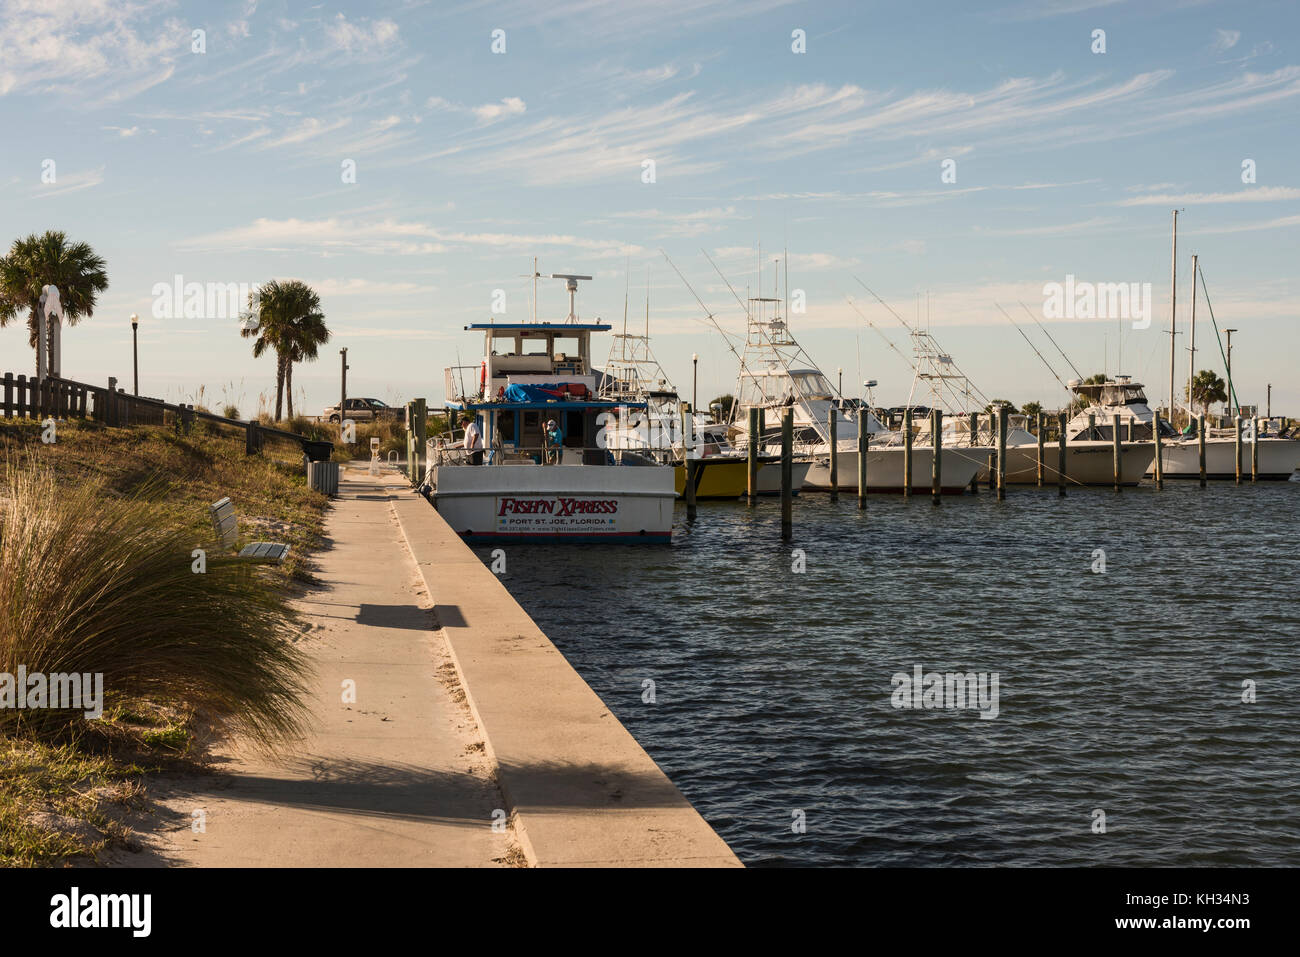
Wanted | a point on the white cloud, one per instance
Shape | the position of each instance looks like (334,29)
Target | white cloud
(71,182)
(1252,194)
(510,106)
(1225,39)
(362,37)
(487,113)
(388,236)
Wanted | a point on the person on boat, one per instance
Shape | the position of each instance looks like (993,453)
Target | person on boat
(473,440)
(554,442)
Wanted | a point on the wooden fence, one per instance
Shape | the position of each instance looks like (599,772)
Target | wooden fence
(30,398)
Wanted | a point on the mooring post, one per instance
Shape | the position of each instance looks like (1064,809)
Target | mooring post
(751,454)
(1119,452)
(1042,464)
(936,443)
(1060,452)
(1238,447)
(689,465)
(835,454)
(1002,453)
(864,445)
(973,430)
(787,474)
(1254,450)
(993,458)
(1200,446)
(907,453)
(1160,451)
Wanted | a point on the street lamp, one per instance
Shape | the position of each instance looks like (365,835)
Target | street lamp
(840,387)
(1230,389)
(135,349)
(695,380)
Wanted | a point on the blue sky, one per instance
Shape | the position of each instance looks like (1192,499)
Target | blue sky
(226,166)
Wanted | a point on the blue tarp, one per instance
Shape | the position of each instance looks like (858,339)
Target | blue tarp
(543,393)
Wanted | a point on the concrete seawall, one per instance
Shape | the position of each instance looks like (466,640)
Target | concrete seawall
(582,791)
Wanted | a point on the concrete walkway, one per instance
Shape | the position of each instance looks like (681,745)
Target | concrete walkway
(582,791)
(398,778)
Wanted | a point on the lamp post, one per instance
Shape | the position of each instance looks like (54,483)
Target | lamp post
(135,350)
(695,380)
(1230,389)
(840,388)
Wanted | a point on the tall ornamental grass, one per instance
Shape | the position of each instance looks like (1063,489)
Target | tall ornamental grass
(95,583)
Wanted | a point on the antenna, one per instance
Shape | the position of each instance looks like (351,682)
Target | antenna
(571,283)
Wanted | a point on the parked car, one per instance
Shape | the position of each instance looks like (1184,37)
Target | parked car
(362,410)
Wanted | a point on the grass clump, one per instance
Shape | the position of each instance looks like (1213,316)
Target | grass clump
(95,586)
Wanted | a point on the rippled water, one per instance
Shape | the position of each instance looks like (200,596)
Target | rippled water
(1119,691)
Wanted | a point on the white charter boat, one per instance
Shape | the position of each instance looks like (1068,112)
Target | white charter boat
(776,374)
(527,486)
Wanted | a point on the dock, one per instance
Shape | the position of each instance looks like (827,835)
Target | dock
(471,741)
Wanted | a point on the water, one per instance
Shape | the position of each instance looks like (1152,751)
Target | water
(1118,691)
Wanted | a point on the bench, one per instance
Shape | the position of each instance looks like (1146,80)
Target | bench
(226,526)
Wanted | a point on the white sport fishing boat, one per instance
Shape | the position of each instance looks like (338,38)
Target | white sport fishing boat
(1279,455)
(529,486)
(776,374)
(659,428)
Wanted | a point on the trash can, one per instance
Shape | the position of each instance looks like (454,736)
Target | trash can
(317,451)
(323,477)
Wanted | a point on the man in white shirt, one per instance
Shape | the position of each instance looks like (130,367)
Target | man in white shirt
(473,440)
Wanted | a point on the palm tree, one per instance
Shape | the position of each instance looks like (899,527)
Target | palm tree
(285,318)
(1208,387)
(305,336)
(37,261)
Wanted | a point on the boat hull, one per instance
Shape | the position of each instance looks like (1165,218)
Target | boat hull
(1278,459)
(885,469)
(724,477)
(1086,463)
(558,503)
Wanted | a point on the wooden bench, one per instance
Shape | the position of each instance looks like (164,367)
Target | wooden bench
(226,526)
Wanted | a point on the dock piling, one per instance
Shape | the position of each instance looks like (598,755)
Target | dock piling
(936,463)
(1002,453)
(1254,450)
(907,453)
(1238,450)
(787,475)
(1040,422)
(1119,451)
(752,454)
(1200,446)
(1160,452)
(974,441)
(1060,452)
(835,453)
(864,444)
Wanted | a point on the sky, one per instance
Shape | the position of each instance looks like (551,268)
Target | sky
(410,159)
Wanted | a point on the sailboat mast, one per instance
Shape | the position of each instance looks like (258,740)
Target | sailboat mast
(1173,312)
(1191,352)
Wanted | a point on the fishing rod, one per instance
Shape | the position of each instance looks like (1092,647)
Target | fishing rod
(743,305)
(1077,373)
(954,397)
(1034,347)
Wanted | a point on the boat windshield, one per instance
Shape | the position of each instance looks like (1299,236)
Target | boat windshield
(811,385)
